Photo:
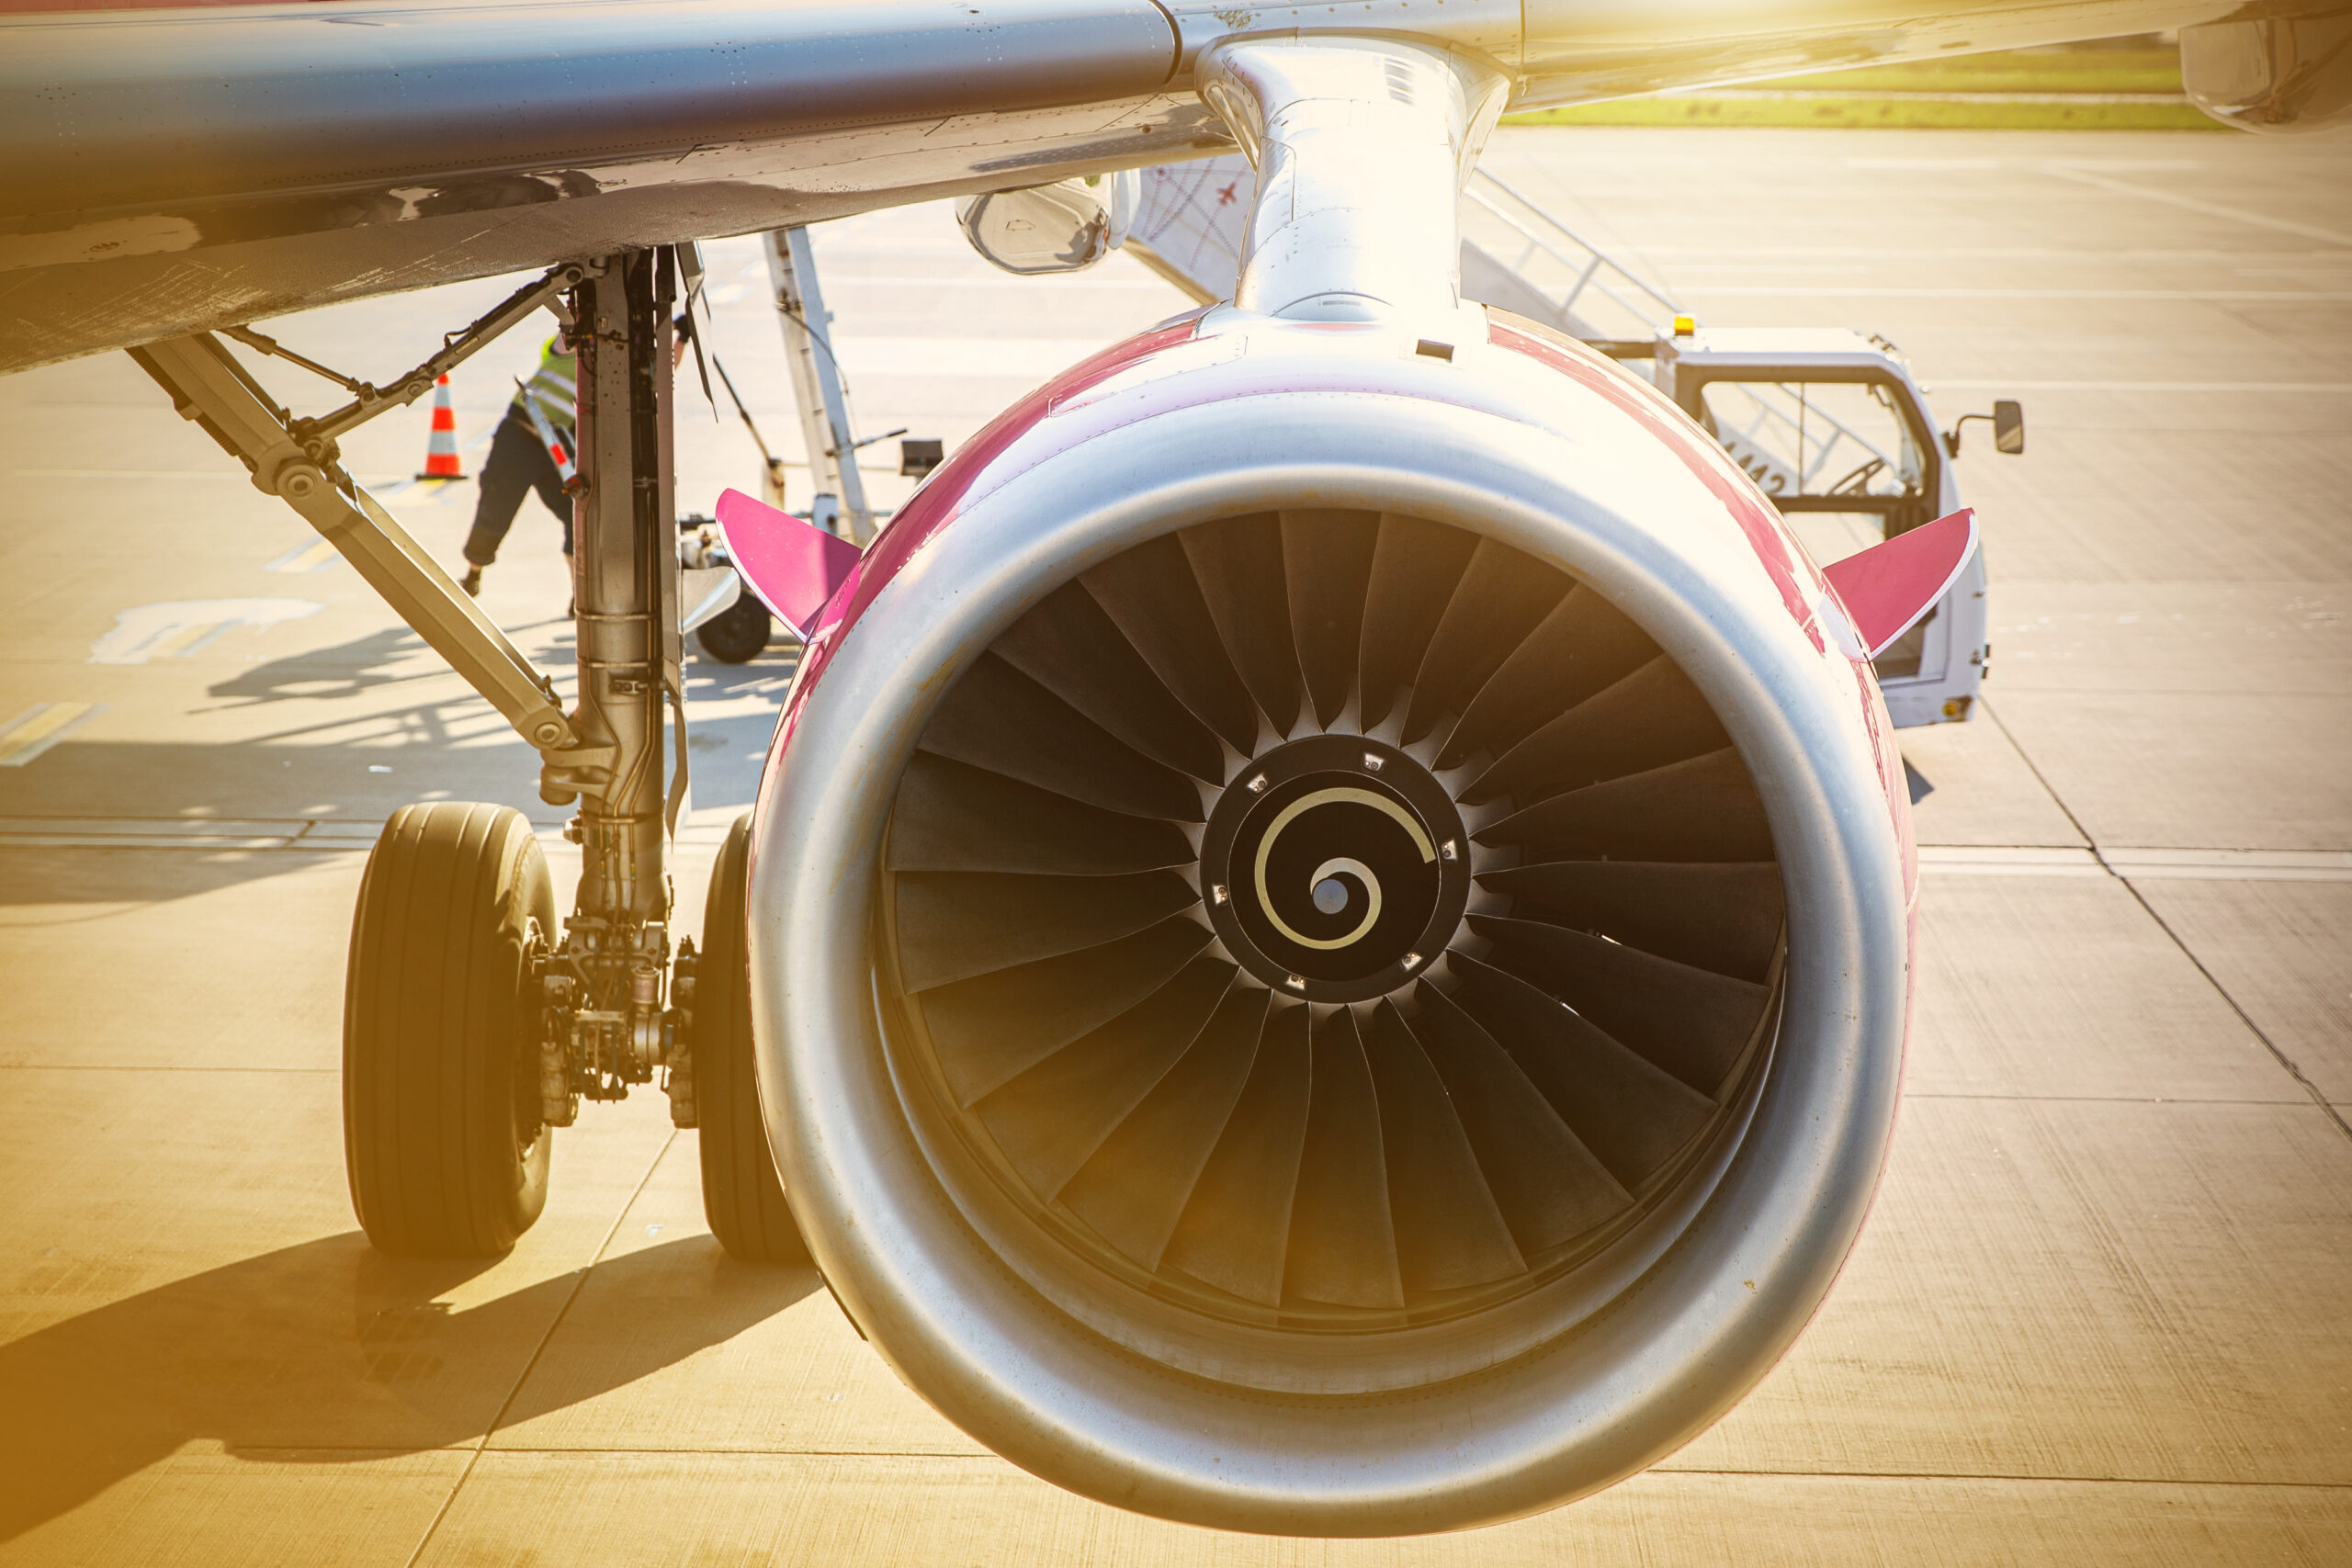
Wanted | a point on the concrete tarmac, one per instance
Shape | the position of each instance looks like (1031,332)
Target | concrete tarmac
(2102,1314)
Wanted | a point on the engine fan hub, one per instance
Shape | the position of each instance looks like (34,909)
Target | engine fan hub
(1335,868)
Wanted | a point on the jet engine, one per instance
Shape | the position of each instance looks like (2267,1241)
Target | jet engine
(1354,975)
(1329,913)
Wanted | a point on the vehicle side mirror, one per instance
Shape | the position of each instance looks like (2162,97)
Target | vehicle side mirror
(2009,427)
(1056,228)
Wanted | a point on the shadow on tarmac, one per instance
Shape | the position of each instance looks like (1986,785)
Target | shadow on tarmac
(330,1352)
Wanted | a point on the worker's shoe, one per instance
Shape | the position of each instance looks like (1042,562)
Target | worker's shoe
(471,582)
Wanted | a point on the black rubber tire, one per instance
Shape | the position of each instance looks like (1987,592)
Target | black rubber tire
(738,634)
(442,1136)
(741,1198)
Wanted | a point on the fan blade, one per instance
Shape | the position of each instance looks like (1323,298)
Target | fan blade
(951,816)
(1327,560)
(987,1029)
(954,925)
(1070,645)
(1584,646)
(1239,564)
(1450,1234)
(1000,720)
(1136,1186)
(1342,1244)
(1236,1226)
(1051,1118)
(1690,1022)
(1150,593)
(1414,569)
(1633,1116)
(1502,598)
(1652,716)
(1547,1184)
(1724,918)
(1702,809)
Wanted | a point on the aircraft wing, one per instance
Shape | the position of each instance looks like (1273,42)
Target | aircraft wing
(168,171)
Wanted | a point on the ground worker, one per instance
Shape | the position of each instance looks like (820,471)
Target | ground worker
(520,458)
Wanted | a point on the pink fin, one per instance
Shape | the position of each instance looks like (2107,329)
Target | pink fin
(793,566)
(1888,587)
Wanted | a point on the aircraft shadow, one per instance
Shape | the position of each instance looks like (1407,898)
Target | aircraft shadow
(357,757)
(329,1352)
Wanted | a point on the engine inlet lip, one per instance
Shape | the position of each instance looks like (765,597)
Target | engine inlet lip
(1235,839)
(1766,1231)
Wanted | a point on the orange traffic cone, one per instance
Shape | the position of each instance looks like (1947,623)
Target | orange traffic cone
(441,446)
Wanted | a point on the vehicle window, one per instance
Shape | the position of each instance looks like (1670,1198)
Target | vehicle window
(1816,438)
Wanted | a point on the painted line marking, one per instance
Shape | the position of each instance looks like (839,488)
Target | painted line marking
(1950,860)
(179,628)
(40,727)
(2139,864)
(126,474)
(2209,295)
(310,557)
(1861,96)
(314,834)
(308,834)
(2329,389)
(2080,175)
(2232,865)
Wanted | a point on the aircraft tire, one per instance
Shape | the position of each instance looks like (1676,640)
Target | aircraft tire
(741,1198)
(443,1138)
(738,634)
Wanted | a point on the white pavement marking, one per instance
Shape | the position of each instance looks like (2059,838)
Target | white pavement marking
(128,474)
(2232,865)
(1861,96)
(40,727)
(311,556)
(2189,203)
(2332,389)
(2138,864)
(916,280)
(2207,296)
(1949,860)
(310,834)
(177,628)
(1017,358)
(313,833)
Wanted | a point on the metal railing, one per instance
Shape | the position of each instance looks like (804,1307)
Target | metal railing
(1591,294)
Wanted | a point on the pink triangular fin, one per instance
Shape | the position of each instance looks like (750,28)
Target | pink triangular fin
(1888,587)
(793,566)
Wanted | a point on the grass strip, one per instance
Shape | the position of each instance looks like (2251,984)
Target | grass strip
(2036,90)
(1860,111)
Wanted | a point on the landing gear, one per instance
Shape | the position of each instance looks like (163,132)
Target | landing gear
(738,634)
(443,1138)
(741,1198)
(474,1023)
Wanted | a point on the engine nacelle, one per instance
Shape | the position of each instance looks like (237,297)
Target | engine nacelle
(1330,928)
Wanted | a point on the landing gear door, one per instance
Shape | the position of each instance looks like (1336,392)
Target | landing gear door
(1848,453)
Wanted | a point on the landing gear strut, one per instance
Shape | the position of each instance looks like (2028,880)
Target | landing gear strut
(474,1025)
(605,1020)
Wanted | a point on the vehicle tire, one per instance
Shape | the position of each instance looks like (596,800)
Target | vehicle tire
(741,1198)
(442,1135)
(738,634)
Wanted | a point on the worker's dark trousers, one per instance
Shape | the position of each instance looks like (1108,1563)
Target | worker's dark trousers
(517,463)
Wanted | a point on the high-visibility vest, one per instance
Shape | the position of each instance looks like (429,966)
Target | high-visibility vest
(555,389)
